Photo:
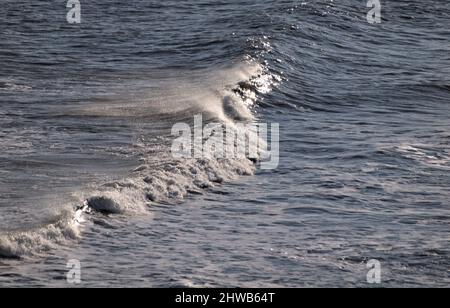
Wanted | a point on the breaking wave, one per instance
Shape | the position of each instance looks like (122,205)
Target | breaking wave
(227,96)
(168,180)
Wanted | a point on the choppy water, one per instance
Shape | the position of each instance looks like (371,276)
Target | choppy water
(86,111)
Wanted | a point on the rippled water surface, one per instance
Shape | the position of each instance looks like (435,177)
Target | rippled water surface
(86,115)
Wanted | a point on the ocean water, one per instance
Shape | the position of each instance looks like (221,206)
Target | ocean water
(86,112)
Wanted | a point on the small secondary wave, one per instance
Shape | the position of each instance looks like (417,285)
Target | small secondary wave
(11,85)
(17,244)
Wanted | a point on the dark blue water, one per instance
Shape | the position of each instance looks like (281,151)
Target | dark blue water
(87,110)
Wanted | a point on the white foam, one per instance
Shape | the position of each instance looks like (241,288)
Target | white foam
(118,199)
(169,183)
(17,244)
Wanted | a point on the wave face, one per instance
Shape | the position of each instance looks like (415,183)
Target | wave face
(226,96)
(86,169)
